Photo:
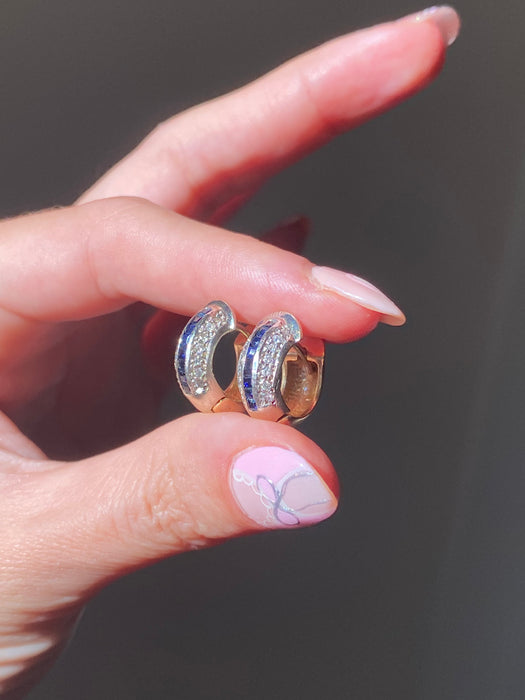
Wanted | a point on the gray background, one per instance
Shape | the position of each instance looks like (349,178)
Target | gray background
(415,589)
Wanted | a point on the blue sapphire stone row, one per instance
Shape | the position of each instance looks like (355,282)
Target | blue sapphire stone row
(248,364)
(183,346)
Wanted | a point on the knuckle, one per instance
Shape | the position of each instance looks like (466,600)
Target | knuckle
(116,213)
(169,151)
(109,231)
(326,124)
(161,130)
(166,514)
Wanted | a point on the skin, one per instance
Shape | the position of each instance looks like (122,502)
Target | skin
(86,493)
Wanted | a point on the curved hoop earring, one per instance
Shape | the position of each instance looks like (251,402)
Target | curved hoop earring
(280,372)
(194,358)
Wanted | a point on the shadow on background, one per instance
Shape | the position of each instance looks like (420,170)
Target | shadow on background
(414,588)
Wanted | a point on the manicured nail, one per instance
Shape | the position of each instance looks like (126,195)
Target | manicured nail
(359,291)
(277,488)
(444,17)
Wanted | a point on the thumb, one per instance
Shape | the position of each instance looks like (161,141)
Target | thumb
(189,484)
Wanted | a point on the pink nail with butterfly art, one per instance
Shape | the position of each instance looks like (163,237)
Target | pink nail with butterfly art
(277,488)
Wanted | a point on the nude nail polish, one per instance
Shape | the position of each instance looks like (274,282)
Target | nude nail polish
(359,291)
(277,488)
(444,17)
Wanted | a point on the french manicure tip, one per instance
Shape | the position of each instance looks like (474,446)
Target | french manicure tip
(445,18)
(398,320)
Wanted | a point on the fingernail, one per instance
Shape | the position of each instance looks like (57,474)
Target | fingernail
(277,488)
(359,291)
(444,17)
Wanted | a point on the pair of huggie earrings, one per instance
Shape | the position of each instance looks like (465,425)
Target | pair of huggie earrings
(279,372)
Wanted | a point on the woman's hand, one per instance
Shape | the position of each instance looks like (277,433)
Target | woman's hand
(74,384)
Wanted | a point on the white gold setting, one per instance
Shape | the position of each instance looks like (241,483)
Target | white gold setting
(194,358)
(276,359)
(279,372)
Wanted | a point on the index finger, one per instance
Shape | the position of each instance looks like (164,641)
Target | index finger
(216,155)
(85,261)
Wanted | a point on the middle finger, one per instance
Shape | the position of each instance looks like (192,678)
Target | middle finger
(214,156)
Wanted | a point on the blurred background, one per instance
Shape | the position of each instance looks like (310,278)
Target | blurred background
(415,588)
